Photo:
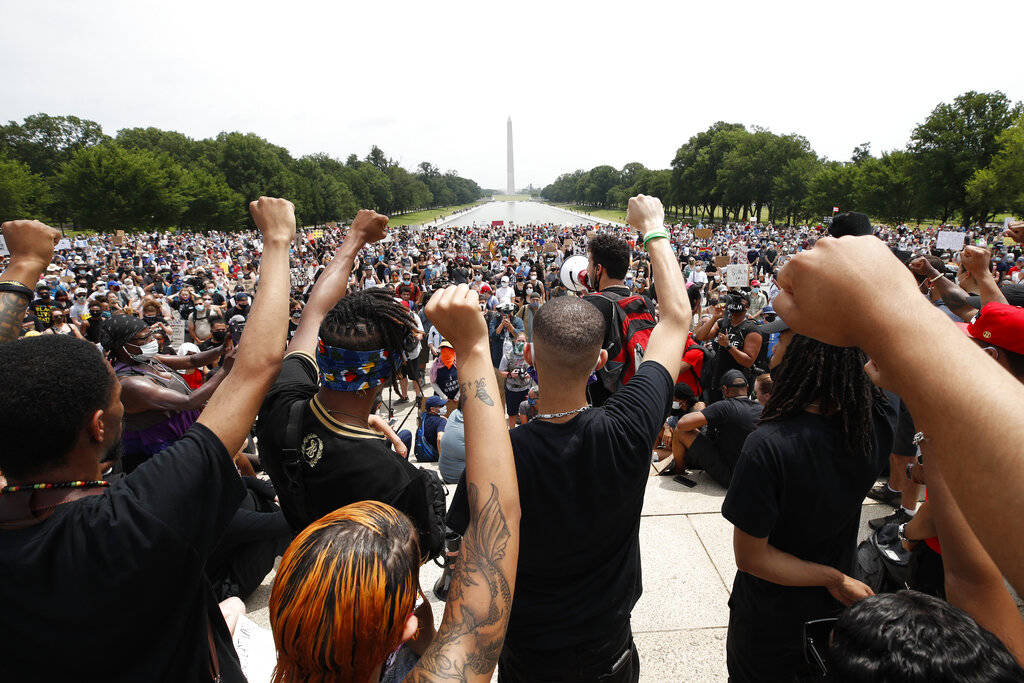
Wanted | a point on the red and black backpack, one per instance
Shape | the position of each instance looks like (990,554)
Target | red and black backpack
(632,322)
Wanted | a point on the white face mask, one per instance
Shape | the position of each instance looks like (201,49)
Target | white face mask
(677,405)
(148,350)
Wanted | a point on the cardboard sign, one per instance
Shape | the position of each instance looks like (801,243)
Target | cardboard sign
(177,333)
(119,238)
(702,233)
(3,247)
(737,275)
(949,239)
(1007,241)
(64,245)
(549,247)
(722,261)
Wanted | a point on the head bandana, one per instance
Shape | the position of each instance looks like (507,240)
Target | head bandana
(347,370)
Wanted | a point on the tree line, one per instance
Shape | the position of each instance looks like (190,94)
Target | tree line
(964,163)
(67,170)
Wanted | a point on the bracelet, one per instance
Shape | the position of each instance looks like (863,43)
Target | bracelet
(935,279)
(655,234)
(17,288)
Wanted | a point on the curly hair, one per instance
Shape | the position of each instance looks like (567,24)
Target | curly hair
(367,320)
(611,252)
(834,378)
(343,592)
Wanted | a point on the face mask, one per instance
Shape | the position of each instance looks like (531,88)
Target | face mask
(219,335)
(535,305)
(200,308)
(148,350)
(532,401)
(676,405)
(529,290)
(477,278)
(407,281)
(518,347)
(533,276)
(150,319)
(80,298)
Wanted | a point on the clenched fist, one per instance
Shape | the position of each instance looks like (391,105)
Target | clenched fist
(369,226)
(30,242)
(977,261)
(645,213)
(275,218)
(455,312)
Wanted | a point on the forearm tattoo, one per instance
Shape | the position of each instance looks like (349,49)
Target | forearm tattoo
(12,314)
(479,603)
(480,391)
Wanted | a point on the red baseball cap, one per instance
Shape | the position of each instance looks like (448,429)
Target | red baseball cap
(485,288)
(1000,325)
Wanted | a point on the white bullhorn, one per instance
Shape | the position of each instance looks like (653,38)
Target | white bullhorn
(574,273)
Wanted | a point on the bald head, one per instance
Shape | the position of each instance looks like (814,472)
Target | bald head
(568,333)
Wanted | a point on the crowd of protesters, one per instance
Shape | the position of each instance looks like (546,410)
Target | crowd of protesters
(182,409)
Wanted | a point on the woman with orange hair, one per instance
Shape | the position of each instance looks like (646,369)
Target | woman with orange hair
(346,589)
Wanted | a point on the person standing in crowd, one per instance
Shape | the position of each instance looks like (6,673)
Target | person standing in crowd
(504,328)
(60,325)
(374,617)
(42,306)
(738,339)
(558,631)
(528,311)
(444,374)
(517,380)
(729,422)
(135,547)
(606,271)
(159,407)
(528,407)
(795,502)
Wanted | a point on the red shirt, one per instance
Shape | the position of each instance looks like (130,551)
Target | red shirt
(695,357)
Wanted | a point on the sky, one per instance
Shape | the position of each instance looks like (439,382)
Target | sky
(586,83)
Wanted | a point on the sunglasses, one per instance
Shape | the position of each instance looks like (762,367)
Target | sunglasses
(817,636)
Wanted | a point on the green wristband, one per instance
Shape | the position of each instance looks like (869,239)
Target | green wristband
(655,234)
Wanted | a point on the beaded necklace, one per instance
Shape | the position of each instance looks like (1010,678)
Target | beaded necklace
(58,485)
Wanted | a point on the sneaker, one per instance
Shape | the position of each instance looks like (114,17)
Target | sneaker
(883,494)
(402,400)
(897,518)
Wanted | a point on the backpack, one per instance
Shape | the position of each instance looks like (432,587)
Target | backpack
(703,378)
(631,326)
(298,511)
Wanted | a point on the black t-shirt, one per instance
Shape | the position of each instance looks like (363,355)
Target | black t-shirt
(796,486)
(342,464)
(737,336)
(612,342)
(114,583)
(579,548)
(730,421)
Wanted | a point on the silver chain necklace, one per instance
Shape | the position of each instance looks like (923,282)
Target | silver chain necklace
(567,413)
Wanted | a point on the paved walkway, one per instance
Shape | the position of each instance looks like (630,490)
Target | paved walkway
(688,568)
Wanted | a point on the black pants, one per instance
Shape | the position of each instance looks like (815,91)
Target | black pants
(703,454)
(613,660)
(765,652)
(256,535)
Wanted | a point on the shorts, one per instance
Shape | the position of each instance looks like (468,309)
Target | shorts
(702,453)
(512,401)
(412,369)
(903,443)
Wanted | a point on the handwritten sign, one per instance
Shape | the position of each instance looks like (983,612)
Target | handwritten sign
(950,239)
(177,333)
(119,238)
(702,233)
(721,261)
(64,245)
(737,275)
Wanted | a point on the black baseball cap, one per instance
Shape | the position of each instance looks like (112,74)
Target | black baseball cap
(851,223)
(734,378)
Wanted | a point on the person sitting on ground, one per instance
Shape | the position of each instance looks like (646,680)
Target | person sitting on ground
(606,454)
(136,547)
(430,434)
(528,407)
(366,555)
(452,460)
(159,406)
(343,354)
(729,422)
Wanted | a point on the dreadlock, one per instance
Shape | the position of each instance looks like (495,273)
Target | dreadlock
(117,331)
(832,376)
(368,320)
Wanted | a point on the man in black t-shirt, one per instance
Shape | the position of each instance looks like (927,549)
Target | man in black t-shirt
(86,565)
(738,339)
(728,422)
(579,556)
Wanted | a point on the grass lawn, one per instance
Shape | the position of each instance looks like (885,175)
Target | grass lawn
(426,215)
(617,215)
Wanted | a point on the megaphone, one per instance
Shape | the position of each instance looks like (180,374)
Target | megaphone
(574,273)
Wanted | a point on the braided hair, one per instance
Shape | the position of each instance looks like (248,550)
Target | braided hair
(834,377)
(367,320)
(117,331)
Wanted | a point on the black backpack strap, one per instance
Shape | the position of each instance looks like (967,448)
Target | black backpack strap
(291,460)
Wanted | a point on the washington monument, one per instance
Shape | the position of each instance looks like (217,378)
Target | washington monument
(511,189)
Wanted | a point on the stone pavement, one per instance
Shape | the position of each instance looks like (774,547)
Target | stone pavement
(686,549)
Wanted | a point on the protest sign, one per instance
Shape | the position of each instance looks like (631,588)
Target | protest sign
(64,245)
(950,239)
(702,233)
(81,244)
(177,333)
(737,275)
(119,238)
(721,261)
(550,246)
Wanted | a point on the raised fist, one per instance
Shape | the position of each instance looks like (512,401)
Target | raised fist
(645,213)
(274,217)
(30,242)
(370,226)
(455,312)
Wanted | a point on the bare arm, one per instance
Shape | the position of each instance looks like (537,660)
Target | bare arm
(196,360)
(140,395)
(472,633)
(691,421)
(758,557)
(705,331)
(973,581)
(231,410)
(912,345)
(332,285)
(668,339)
(978,263)
(748,354)
(31,245)
(375,422)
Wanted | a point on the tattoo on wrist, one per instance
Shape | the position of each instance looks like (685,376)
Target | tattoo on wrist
(12,314)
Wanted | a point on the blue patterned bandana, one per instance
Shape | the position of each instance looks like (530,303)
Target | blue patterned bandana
(347,370)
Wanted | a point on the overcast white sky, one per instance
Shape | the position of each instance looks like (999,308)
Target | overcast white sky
(585,82)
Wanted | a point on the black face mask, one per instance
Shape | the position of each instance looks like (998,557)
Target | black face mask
(219,335)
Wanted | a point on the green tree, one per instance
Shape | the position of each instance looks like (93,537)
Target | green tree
(254,167)
(835,185)
(211,203)
(954,142)
(23,194)
(107,187)
(1000,185)
(887,188)
(45,142)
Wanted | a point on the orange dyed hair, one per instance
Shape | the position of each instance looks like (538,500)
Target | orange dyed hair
(342,594)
